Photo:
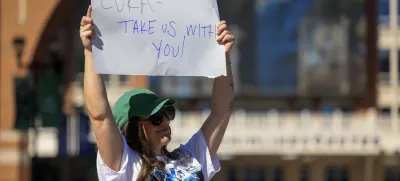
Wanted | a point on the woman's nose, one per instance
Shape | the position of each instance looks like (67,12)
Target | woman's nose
(165,122)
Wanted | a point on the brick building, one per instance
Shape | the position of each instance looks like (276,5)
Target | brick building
(29,32)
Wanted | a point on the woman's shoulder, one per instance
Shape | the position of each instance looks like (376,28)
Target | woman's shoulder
(128,153)
(130,165)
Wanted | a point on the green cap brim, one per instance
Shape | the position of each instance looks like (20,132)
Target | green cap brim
(159,103)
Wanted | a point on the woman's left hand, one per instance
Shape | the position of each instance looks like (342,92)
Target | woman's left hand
(225,36)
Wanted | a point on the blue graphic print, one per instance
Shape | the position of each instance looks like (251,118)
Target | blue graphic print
(190,174)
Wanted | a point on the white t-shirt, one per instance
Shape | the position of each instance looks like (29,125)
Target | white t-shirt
(195,163)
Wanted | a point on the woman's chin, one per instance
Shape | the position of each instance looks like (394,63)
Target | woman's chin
(165,140)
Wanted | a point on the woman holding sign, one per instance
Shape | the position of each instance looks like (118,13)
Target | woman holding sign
(132,138)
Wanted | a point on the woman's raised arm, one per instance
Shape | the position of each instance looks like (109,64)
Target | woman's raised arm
(223,95)
(108,138)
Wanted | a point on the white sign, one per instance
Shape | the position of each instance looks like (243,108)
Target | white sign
(157,37)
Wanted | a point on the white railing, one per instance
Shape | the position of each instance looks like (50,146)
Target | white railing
(266,133)
(304,133)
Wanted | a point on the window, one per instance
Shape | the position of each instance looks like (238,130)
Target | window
(278,174)
(274,174)
(392,173)
(384,61)
(337,173)
(254,173)
(304,174)
(232,174)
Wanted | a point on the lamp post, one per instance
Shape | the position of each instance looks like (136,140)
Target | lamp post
(19,44)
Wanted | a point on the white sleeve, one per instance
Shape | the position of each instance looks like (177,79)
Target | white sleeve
(130,162)
(199,148)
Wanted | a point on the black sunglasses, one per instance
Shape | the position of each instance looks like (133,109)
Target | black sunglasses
(167,111)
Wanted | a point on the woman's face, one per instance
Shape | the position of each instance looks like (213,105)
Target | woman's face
(158,136)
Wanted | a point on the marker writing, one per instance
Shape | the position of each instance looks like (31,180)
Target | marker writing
(138,26)
(168,50)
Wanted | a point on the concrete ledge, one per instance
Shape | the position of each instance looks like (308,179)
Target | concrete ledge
(12,157)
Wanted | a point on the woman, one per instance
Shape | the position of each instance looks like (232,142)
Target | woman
(132,138)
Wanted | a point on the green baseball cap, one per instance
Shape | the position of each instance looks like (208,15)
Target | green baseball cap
(137,102)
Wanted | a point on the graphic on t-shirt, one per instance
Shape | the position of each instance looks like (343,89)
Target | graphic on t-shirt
(190,161)
(188,174)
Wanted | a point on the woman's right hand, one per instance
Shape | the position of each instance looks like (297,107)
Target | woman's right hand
(86,30)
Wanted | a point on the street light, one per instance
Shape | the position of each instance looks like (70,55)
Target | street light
(19,44)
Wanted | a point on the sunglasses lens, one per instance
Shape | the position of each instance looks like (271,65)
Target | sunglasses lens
(157,119)
(169,112)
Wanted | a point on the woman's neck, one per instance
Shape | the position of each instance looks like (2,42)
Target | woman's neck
(158,152)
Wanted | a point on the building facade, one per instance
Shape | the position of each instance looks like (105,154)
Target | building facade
(258,145)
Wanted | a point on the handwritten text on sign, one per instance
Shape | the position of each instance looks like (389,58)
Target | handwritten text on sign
(157,37)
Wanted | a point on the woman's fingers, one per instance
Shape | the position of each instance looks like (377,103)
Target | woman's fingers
(89,11)
(221,28)
(86,27)
(221,23)
(86,30)
(86,20)
(228,38)
(222,35)
(87,34)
